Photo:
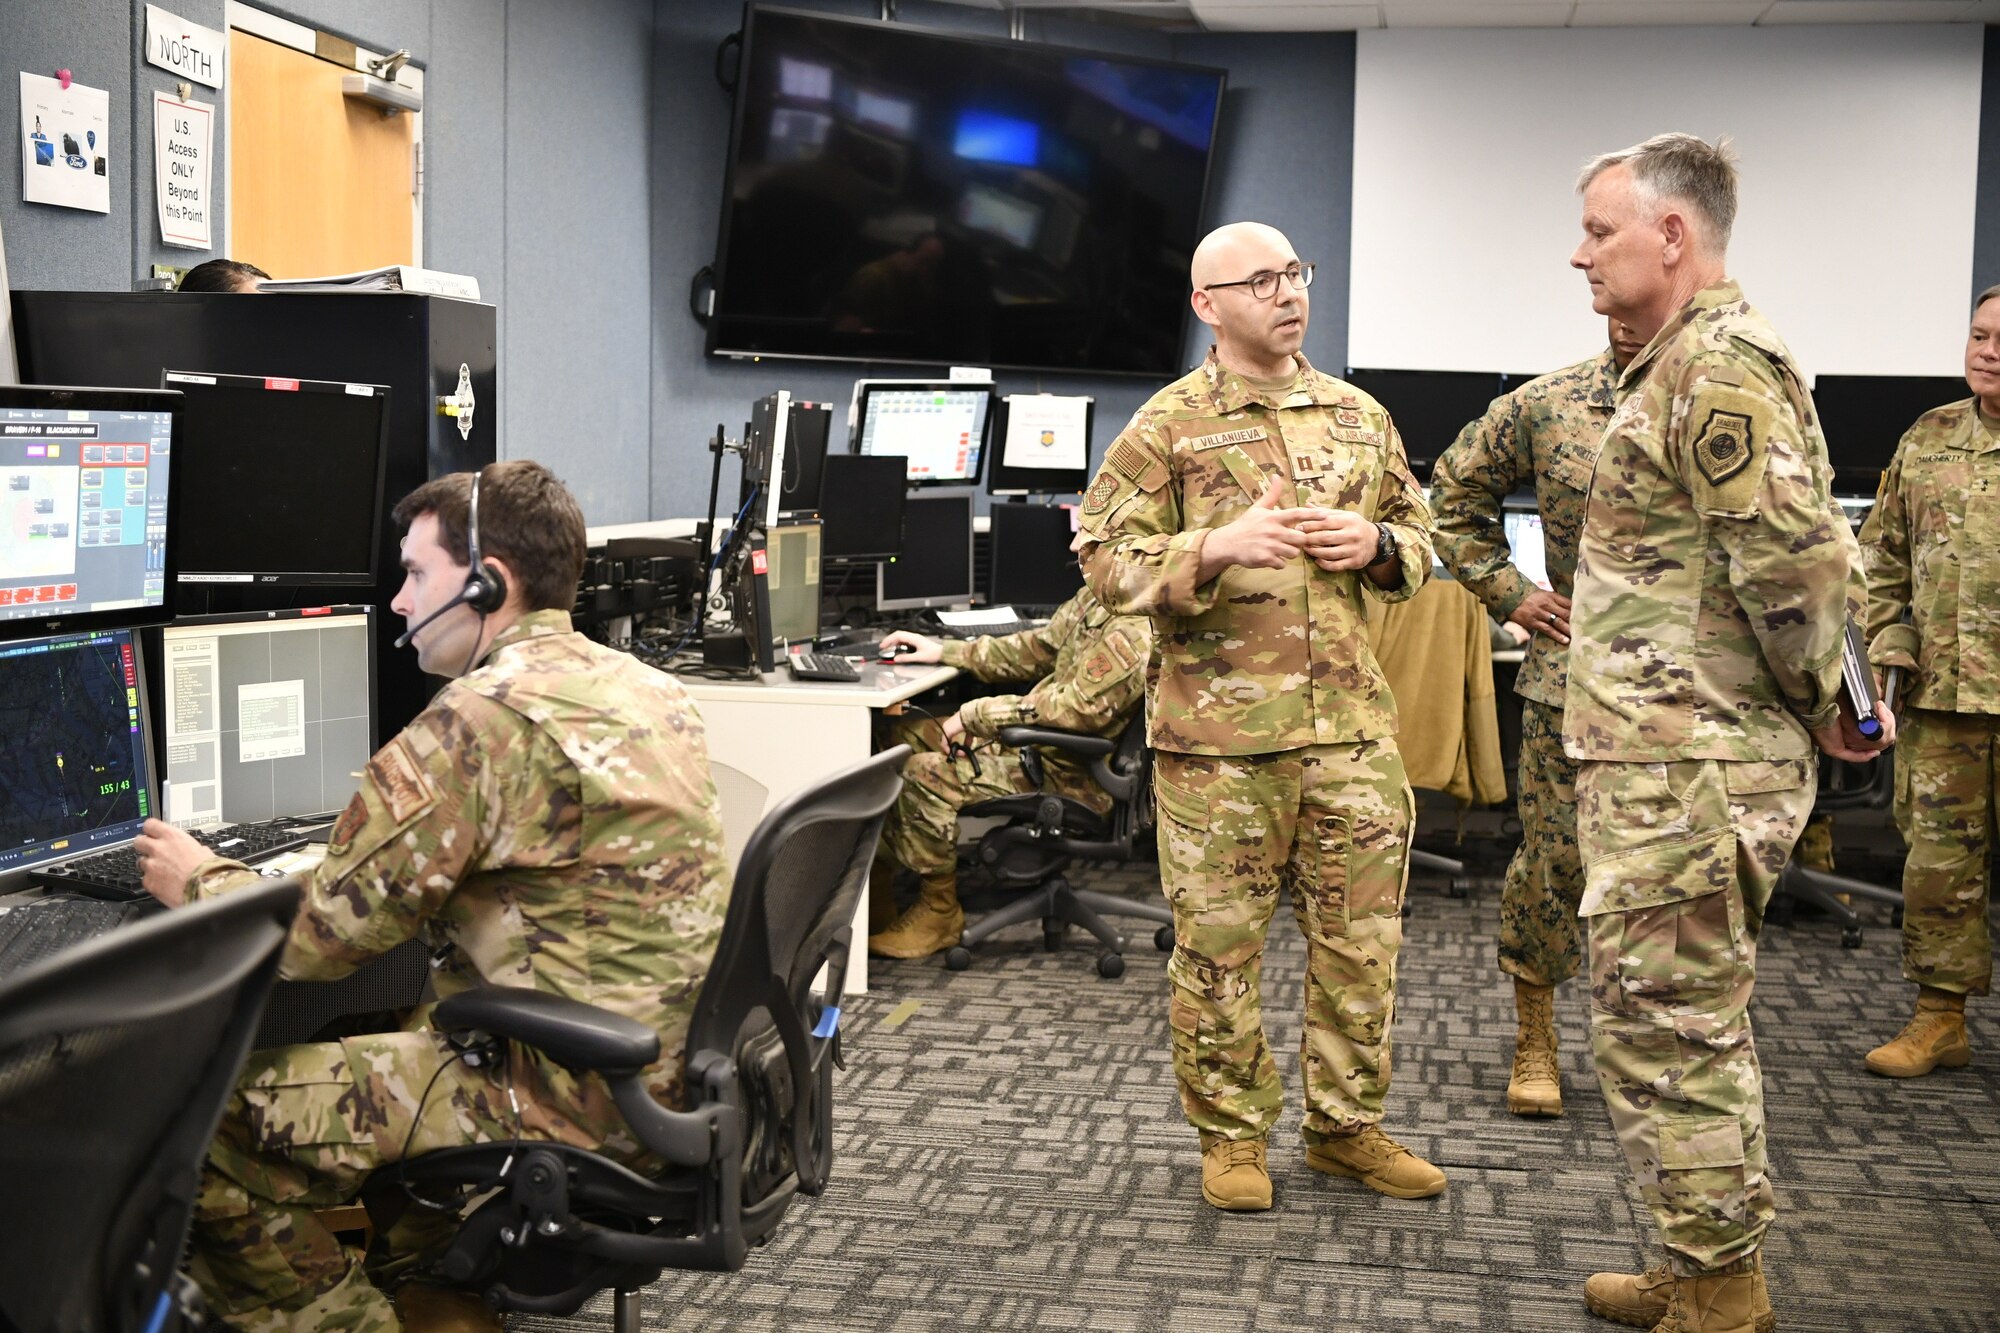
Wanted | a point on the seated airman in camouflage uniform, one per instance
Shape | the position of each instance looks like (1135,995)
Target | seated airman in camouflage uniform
(1248,508)
(1933,550)
(549,822)
(1545,434)
(1089,669)
(1714,580)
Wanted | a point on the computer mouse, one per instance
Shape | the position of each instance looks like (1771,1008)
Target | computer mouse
(891,652)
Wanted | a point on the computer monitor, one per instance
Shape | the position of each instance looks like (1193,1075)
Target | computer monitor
(939,428)
(90,500)
(861,503)
(1041,445)
(265,714)
(1032,564)
(935,568)
(1526,546)
(1864,417)
(1429,407)
(792,578)
(281,480)
(78,749)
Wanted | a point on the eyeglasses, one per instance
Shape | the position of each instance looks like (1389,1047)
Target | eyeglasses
(1264,285)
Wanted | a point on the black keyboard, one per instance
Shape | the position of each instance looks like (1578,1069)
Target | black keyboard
(34,928)
(822,666)
(115,874)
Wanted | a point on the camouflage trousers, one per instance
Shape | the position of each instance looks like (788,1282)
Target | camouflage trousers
(1680,860)
(1541,941)
(303,1130)
(1332,824)
(921,832)
(1946,770)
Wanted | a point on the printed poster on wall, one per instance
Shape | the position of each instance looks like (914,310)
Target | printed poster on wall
(183,169)
(65,144)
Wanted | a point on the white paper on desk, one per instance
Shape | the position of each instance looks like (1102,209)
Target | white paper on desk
(1046,430)
(65,144)
(985,615)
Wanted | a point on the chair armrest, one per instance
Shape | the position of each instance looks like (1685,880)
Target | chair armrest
(576,1035)
(1076,742)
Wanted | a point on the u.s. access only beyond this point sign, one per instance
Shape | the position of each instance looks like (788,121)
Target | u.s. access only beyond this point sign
(184,170)
(185,50)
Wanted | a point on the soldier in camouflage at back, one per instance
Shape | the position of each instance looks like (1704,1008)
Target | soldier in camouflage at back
(1933,548)
(549,822)
(1089,669)
(1714,578)
(1248,508)
(1545,434)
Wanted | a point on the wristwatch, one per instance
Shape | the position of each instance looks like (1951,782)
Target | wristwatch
(1385,549)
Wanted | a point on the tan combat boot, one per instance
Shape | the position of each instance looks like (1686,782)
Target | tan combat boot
(932,924)
(1644,1299)
(1233,1177)
(1379,1162)
(1935,1036)
(1536,1085)
(439,1310)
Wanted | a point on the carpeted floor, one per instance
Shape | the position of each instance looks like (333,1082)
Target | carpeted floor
(1012,1156)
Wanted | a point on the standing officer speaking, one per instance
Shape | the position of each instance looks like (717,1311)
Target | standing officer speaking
(1247,507)
(1713,583)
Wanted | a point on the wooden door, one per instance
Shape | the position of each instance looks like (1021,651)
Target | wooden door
(318,183)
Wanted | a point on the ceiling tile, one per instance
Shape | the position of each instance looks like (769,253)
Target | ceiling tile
(1869,11)
(1266,17)
(1633,13)
(1476,13)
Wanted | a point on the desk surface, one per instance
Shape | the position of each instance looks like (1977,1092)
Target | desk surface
(880,686)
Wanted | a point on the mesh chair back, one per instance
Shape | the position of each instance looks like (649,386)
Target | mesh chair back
(791,912)
(116,1058)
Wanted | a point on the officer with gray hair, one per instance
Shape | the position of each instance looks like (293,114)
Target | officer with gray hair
(1714,579)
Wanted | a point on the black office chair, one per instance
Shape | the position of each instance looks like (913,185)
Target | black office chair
(1047,832)
(564,1223)
(1874,790)
(116,1059)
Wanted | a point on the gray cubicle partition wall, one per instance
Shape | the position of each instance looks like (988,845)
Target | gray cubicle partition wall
(414,344)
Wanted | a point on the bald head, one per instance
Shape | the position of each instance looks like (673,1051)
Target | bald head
(1236,251)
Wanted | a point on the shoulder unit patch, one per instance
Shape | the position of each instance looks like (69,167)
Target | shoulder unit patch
(1100,493)
(1724,446)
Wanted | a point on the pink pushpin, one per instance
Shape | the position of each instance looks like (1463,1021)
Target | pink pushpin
(62,77)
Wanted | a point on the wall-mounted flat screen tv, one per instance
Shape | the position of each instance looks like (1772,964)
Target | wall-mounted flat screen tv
(899,194)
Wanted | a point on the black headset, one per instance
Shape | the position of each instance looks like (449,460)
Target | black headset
(485,589)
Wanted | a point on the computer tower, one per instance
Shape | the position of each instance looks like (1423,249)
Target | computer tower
(420,346)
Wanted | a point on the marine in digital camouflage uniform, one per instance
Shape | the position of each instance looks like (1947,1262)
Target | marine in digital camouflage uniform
(548,821)
(1932,544)
(1089,669)
(1714,577)
(1274,732)
(1544,434)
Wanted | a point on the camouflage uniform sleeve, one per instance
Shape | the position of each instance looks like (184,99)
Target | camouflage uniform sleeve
(1885,541)
(1099,686)
(1024,656)
(1481,468)
(1135,556)
(422,818)
(1400,504)
(1739,451)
